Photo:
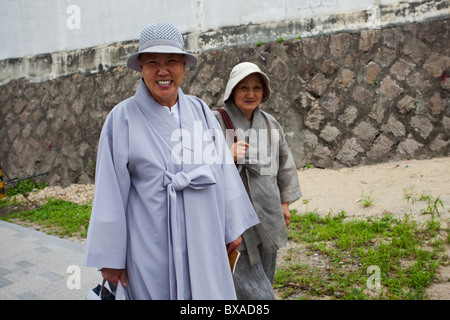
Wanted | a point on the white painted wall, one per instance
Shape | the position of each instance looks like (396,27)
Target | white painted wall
(31,27)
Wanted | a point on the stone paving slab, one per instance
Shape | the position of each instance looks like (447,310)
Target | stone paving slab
(37,266)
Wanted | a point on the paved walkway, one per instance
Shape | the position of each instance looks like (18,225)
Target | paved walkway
(37,266)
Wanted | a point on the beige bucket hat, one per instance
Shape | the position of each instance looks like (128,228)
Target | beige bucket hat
(239,72)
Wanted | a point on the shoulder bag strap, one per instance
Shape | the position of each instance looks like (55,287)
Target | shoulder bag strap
(227,120)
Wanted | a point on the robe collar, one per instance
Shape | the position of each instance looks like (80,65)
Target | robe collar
(153,110)
(167,127)
(257,159)
(239,120)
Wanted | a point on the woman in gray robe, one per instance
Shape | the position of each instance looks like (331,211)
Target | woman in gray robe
(167,206)
(269,174)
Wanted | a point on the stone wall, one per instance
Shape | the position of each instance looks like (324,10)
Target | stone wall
(344,99)
(351,98)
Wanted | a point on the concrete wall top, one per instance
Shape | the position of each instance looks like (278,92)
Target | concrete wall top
(40,39)
(45,26)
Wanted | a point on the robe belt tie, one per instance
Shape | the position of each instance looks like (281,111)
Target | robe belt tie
(198,178)
(179,181)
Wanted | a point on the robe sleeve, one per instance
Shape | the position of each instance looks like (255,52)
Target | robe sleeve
(287,178)
(107,236)
(239,212)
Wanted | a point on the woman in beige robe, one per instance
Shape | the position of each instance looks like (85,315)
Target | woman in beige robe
(269,174)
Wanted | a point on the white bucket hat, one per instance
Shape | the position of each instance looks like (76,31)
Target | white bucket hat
(160,37)
(242,70)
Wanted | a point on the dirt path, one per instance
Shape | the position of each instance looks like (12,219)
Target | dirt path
(386,184)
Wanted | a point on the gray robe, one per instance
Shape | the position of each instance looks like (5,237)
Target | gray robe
(269,175)
(162,208)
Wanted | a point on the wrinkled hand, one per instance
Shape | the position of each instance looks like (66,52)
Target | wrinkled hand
(114,275)
(286,213)
(234,245)
(238,150)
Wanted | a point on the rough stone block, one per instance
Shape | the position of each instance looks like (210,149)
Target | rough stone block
(307,100)
(339,44)
(436,64)
(330,133)
(406,104)
(368,39)
(446,123)
(377,112)
(395,127)
(365,132)
(318,84)
(311,139)
(324,155)
(437,104)
(380,148)
(418,82)
(439,144)
(314,118)
(348,116)
(313,48)
(330,102)
(362,95)
(372,70)
(390,88)
(409,147)
(401,69)
(279,69)
(345,78)
(422,125)
(328,66)
(385,56)
(349,151)
(416,50)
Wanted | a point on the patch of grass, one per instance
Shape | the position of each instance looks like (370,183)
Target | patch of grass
(405,252)
(410,195)
(58,217)
(433,205)
(19,187)
(23,186)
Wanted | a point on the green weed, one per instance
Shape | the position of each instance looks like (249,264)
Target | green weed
(366,201)
(23,186)
(58,217)
(405,252)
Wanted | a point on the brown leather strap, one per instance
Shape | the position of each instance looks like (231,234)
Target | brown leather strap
(227,120)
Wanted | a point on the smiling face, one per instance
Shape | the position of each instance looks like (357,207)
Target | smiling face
(163,74)
(248,93)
